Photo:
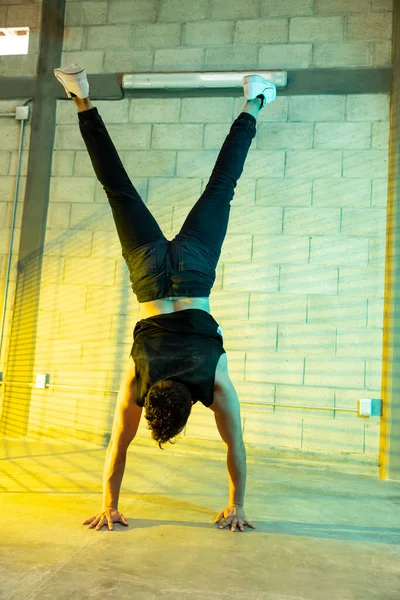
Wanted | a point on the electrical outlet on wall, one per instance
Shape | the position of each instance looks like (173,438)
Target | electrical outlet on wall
(22,113)
(41,381)
(369,407)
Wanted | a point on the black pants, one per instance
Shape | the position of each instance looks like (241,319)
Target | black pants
(184,266)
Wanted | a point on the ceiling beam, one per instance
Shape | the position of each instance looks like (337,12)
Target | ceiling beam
(108,86)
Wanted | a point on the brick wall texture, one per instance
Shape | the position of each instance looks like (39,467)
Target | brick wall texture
(300,283)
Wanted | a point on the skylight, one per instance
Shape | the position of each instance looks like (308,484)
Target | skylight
(14,40)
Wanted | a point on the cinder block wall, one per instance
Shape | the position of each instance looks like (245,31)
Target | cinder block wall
(299,291)
(14,13)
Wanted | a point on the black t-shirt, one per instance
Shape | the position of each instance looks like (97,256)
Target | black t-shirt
(183,346)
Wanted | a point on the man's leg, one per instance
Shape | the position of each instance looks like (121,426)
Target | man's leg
(207,222)
(135,224)
(252,107)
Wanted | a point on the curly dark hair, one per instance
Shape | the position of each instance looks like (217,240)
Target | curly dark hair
(167,409)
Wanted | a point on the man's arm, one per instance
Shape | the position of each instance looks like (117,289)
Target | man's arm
(226,410)
(125,425)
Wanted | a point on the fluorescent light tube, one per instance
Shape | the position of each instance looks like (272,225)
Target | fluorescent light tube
(197,80)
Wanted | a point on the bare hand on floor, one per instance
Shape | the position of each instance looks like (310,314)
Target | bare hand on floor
(106,517)
(233,516)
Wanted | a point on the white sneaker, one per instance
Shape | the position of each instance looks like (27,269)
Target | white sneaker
(255,85)
(74,80)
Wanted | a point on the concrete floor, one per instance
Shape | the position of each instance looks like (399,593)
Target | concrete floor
(321,534)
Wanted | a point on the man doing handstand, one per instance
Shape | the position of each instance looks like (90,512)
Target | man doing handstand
(178,354)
